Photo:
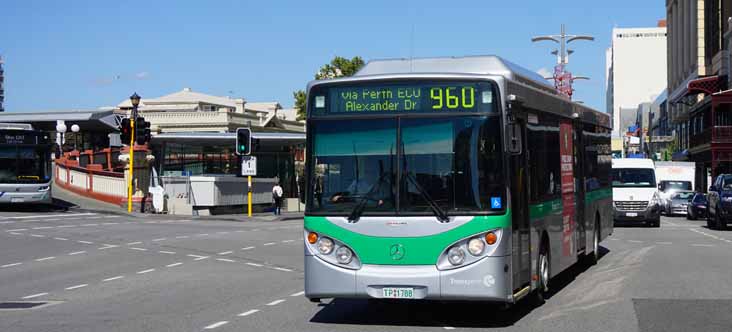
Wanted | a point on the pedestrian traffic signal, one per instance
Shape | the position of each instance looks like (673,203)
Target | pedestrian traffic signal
(243,141)
(125,131)
(142,131)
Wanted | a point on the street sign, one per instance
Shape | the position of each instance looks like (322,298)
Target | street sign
(249,166)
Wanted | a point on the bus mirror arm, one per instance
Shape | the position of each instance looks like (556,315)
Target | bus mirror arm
(514,108)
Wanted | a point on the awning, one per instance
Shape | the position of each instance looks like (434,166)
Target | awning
(707,85)
(209,138)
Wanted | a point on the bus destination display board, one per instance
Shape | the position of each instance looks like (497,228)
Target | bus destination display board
(443,97)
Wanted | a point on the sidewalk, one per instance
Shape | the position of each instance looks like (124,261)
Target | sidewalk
(70,200)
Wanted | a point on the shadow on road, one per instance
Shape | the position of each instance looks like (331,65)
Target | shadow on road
(438,313)
(57,205)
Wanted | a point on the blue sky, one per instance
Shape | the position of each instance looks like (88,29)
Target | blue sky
(86,54)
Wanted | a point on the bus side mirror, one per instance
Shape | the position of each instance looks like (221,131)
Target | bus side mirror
(513,138)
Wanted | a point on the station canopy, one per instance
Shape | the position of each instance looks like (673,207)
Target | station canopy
(105,121)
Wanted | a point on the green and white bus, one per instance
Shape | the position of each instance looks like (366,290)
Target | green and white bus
(450,179)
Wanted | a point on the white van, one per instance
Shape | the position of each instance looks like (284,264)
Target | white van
(635,195)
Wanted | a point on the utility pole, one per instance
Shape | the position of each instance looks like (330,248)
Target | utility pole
(563,79)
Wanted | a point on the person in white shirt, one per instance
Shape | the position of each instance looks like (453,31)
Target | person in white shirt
(277,194)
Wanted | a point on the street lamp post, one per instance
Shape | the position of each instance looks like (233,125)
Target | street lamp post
(75,129)
(563,79)
(135,100)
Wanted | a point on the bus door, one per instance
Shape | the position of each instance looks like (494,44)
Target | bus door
(519,184)
(580,180)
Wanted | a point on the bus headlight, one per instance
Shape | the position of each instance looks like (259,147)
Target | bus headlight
(456,255)
(325,245)
(43,188)
(344,255)
(476,246)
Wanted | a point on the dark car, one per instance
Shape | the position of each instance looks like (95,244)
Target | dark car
(719,200)
(697,208)
(677,203)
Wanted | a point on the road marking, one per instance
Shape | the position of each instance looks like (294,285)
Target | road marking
(297,294)
(90,225)
(33,296)
(275,302)
(247,313)
(256,229)
(107,246)
(137,248)
(174,264)
(77,286)
(247,248)
(18,230)
(7,222)
(110,223)
(635,241)
(111,217)
(44,227)
(226,260)
(145,271)
(66,226)
(85,242)
(167,252)
(215,325)
(14,233)
(222,232)
(113,278)
(448,327)
(77,253)
(160,239)
(133,243)
(182,237)
(287,241)
(44,259)
(255,264)
(36,235)
(204,234)
(225,252)
(61,238)
(282,269)
(268,244)
(702,245)
(240,231)
(9,265)
(52,216)
(663,242)
(198,258)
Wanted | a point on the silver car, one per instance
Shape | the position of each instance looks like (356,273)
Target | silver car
(678,202)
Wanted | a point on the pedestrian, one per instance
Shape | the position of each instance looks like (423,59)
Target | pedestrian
(277,194)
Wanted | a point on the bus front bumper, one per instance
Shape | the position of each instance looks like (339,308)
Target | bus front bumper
(485,280)
(11,197)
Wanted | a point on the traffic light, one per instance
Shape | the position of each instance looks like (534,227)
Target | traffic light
(125,132)
(142,131)
(243,141)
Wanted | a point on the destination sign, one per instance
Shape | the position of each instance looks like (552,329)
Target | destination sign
(15,137)
(433,97)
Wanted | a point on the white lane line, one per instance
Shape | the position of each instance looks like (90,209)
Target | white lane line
(113,278)
(202,234)
(66,226)
(269,244)
(77,253)
(61,238)
(226,260)
(17,230)
(287,241)
(44,227)
(635,241)
(663,242)
(247,313)
(160,239)
(138,249)
(217,324)
(197,258)
(9,265)
(448,327)
(77,286)
(282,269)
(7,222)
(53,216)
(182,237)
(702,245)
(33,296)
(174,264)
(256,229)
(14,233)
(85,242)
(225,252)
(614,239)
(222,232)
(255,264)
(45,259)
(275,302)
(145,271)
(36,235)
(133,243)
(90,225)
(107,246)
(167,252)
(93,218)
(240,231)
(297,294)
(110,223)
(247,248)
(111,217)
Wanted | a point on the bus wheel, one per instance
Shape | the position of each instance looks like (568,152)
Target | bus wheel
(540,294)
(595,255)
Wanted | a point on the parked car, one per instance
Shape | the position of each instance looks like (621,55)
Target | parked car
(678,202)
(719,200)
(698,207)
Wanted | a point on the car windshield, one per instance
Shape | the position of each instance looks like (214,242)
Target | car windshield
(633,177)
(700,198)
(675,185)
(683,196)
(452,163)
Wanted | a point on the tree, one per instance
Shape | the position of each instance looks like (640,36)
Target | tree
(338,67)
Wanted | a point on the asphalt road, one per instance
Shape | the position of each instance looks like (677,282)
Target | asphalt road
(99,272)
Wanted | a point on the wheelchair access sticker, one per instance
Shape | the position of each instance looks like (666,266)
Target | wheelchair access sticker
(496,203)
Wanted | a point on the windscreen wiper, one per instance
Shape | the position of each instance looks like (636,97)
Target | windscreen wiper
(439,212)
(358,210)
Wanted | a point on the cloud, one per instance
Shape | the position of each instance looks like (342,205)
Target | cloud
(545,72)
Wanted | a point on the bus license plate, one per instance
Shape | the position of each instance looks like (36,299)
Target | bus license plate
(398,293)
(631,214)
(17,200)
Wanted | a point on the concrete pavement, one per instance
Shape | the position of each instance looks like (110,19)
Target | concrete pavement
(106,272)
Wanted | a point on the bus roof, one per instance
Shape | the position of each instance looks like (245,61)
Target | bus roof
(16,126)
(633,163)
(481,65)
